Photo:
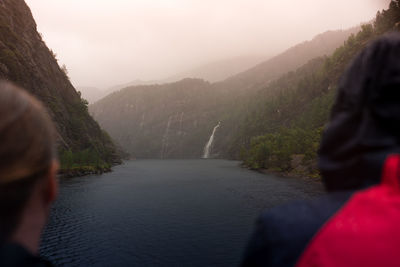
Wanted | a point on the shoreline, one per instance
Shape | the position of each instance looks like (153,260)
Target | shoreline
(291,175)
(86,170)
(80,172)
(91,170)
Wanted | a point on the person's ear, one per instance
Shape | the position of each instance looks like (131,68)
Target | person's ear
(51,186)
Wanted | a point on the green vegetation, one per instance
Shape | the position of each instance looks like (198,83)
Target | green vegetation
(85,161)
(290,114)
(275,150)
(159,121)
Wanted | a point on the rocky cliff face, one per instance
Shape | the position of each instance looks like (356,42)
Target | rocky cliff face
(26,61)
(160,121)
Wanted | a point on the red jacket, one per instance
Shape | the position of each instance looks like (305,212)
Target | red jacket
(365,231)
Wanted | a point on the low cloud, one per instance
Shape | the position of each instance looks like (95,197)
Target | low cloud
(104,42)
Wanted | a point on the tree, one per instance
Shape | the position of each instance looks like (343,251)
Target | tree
(65,70)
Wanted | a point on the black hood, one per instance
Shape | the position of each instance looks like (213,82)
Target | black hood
(365,121)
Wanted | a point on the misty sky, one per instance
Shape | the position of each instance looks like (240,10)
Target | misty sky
(109,42)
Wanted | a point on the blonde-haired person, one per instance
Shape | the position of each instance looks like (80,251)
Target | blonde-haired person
(28,169)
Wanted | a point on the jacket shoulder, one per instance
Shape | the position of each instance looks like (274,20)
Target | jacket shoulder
(282,233)
(16,255)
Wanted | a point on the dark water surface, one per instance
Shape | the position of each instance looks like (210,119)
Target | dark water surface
(163,213)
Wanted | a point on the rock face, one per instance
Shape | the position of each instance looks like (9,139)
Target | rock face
(160,121)
(26,61)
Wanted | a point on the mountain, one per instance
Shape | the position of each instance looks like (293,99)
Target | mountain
(219,70)
(175,120)
(26,61)
(284,121)
(159,121)
(93,94)
(291,59)
(211,72)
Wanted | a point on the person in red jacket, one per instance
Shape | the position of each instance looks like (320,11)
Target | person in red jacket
(358,222)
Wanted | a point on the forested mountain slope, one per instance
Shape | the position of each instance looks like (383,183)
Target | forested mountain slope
(291,59)
(176,119)
(284,122)
(26,61)
(160,121)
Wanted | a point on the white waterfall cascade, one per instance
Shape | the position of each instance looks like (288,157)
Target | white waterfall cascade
(207,148)
(142,122)
(164,141)
(180,123)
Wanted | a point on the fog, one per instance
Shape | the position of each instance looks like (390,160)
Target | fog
(109,42)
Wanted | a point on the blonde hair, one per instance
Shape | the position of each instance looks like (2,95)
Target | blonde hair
(27,150)
(27,136)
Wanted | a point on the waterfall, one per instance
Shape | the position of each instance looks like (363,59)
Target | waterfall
(142,122)
(164,141)
(207,148)
(180,123)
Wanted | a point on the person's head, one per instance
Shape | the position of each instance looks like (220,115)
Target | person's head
(28,165)
(365,121)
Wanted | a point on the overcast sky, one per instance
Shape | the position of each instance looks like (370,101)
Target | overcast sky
(109,42)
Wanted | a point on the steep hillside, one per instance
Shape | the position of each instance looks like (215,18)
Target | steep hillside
(26,61)
(177,119)
(160,121)
(293,58)
(282,128)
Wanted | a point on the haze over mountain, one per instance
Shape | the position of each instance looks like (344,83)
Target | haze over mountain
(220,70)
(91,94)
(247,115)
(176,119)
(106,43)
(270,116)
(212,72)
(251,68)
(291,59)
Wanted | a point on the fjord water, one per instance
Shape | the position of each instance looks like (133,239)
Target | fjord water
(163,213)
